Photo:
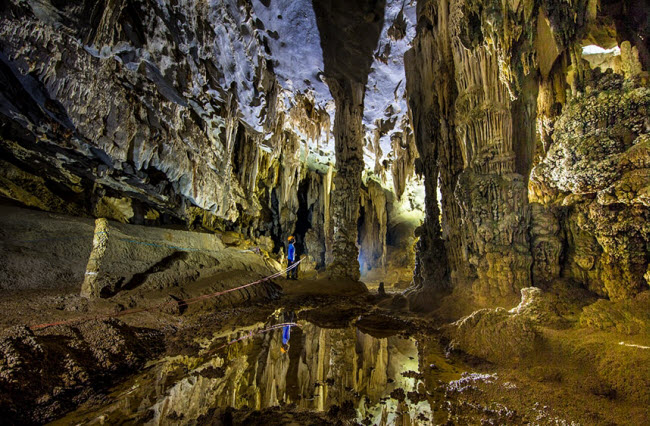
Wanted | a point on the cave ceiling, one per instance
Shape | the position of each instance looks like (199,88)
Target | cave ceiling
(294,42)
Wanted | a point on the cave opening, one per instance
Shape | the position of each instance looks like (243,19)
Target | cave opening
(276,228)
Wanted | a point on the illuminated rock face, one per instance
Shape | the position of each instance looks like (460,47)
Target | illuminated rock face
(215,115)
(507,112)
(473,135)
(597,172)
(229,116)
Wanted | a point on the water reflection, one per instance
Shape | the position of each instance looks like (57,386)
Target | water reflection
(280,363)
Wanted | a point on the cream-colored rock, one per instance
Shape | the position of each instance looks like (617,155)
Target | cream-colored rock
(119,209)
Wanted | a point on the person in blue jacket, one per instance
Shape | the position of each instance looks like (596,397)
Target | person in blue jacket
(291,259)
(289,318)
(286,335)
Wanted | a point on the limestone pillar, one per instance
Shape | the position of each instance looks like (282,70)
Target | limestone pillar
(431,94)
(348,139)
(91,286)
(494,125)
(349,32)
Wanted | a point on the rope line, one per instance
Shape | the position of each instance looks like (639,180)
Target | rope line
(187,302)
(252,334)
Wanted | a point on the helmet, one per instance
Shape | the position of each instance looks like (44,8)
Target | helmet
(290,238)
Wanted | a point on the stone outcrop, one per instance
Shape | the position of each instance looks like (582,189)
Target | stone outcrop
(494,335)
(43,251)
(597,172)
(66,362)
(46,252)
(500,97)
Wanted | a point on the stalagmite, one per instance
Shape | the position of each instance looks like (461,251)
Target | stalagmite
(91,286)
(347,180)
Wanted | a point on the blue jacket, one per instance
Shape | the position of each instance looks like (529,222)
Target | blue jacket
(291,253)
(286,334)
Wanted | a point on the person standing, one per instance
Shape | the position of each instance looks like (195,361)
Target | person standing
(291,259)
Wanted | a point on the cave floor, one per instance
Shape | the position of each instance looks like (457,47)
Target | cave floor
(349,360)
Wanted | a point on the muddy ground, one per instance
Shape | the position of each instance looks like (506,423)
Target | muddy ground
(47,373)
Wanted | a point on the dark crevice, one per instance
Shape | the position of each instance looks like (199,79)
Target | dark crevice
(303,224)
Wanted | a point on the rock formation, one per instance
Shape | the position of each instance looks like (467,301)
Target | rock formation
(481,79)
(484,164)
(199,118)
(349,34)
(596,173)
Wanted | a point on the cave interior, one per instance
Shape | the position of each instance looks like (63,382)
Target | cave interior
(466,182)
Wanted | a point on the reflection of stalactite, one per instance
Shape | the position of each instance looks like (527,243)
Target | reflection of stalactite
(322,368)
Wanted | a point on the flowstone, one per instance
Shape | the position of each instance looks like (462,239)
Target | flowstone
(597,171)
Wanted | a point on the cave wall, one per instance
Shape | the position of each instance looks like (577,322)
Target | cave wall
(153,113)
(175,113)
(504,110)
(595,177)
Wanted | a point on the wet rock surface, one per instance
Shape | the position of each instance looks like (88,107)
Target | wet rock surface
(67,363)
(347,360)
(342,373)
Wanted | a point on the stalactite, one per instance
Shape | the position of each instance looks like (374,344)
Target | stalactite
(327,203)
(405,152)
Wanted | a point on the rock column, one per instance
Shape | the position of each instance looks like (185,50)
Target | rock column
(472,95)
(349,31)
(348,134)
(431,93)
(91,286)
